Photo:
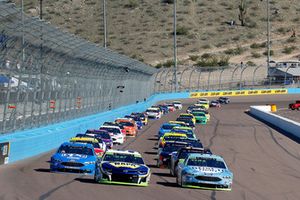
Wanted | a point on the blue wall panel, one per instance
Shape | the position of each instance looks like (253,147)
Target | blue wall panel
(27,143)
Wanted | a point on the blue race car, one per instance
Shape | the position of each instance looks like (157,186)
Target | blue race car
(166,128)
(74,158)
(204,171)
(122,167)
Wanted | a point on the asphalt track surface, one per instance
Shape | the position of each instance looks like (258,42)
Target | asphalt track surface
(265,163)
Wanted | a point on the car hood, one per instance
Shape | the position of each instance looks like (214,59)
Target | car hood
(66,157)
(125,167)
(205,170)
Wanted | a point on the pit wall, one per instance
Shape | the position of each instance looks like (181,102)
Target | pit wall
(28,143)
(264,113)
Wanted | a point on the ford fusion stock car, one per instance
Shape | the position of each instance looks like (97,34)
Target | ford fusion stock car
(74,158)
(204,171)
(122,167)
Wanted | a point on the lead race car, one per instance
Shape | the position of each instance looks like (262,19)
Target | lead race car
(122,167)
(74,158)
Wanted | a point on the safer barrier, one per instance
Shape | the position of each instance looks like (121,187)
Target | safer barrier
(263,113)
(32,142)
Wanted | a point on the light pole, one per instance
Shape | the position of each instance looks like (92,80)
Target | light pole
(23,40)
(104,24)
(268,34)
(175,47)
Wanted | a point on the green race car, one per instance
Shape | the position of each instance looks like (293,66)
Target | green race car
(201,117)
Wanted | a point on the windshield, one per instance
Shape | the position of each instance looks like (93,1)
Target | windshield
(75,150)
(126,123)
(171,138)
(183,119)
(95,145)
(199,114)
(118,157)
(115,131)
(206,162)
(184,153)
(104,135)
(168,126)
(155,111)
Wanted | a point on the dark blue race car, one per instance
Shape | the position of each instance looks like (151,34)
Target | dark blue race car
(122,167)
(74,158)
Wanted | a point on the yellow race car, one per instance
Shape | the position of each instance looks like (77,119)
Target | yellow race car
(167,137)
(187,115)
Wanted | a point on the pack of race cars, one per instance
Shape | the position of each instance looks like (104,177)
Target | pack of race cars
(179,149)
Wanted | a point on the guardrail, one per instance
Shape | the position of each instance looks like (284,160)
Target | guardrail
(24,144)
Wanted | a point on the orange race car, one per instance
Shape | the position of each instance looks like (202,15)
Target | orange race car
(129,125)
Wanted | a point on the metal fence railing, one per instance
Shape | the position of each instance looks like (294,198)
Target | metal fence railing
(194,78)
(48,75)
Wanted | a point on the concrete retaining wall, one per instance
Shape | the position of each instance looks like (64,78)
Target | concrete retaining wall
(263,112)
(28,143)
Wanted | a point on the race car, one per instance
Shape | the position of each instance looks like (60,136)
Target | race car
(188,121)
(194,107)
(187,115)
(122,167)
(201,117)
(164,155)
(204,111)
(215,103)
(203,102)
(186,130)
(166,128)
(142,116)
(137,121)
(115,133)
(169,137)
(154,113)
(74,158)
(204,171)
(129,126)
(224,100)
(98,144)
(181,154)
(177,104)
(104,135)
(171,107)
(178,122)
(163,109)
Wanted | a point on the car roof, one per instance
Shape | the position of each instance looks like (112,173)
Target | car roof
(196,155)
(129,152)
(174,134)
(84,139)
(151,108)
(110,127)
(176,122)
(75,144)
(182,128)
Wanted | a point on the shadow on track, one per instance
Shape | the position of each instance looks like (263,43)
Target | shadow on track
(86,180)
(150,153)
(162,174)
(168,184)
(42,170)
(283,132)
